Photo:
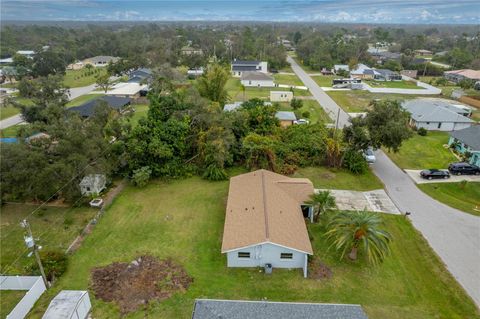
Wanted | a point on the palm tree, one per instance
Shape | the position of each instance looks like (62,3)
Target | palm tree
(211,84)
(351,230)
(321,202)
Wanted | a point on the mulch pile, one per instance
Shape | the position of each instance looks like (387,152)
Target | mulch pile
(132,285)
(318,270)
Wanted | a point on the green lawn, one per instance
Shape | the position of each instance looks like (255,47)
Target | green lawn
(394,84)
(465,199)
(324,80)
(8,300)
(10,131)
(140,111)
(423,152)
(7,111)
(83,77)
(317,113)
(236,94)
(83,99)
(183,220)
(50,224)
(287,79)
(323,177)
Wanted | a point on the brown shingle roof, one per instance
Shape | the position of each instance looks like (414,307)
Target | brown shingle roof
(265,207)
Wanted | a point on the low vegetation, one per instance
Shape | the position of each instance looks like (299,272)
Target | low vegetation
(464,196)
(159,220)
(82,77)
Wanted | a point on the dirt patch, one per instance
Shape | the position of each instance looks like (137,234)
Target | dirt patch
(327,175)
(135,284)
(318,270)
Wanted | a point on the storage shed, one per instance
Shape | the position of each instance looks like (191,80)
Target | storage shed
(281,96)
(93,184)
(69,304)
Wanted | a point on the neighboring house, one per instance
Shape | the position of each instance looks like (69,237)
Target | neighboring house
(265,221)
(423,52)
(142,75)
(236,309)
(132,90)
(256,79)
(464,74)
(93,184)
(363,72)
(121,104)
(193,73)
(281,96)
(100,61)
(410,73)
(386,75)
(69,304)
(286,118)
(418,61)
(239,67)
(383,56)
(436,114)
(338,67)
(467,140)
(76,66)
(28,53)
(6,61)
(191,51)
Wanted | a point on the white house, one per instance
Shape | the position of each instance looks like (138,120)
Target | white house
(436,114)
(69,304)
(265,221)
(131,90)
(93,184)
(239,67)
(281,96)
(338,67)
(257,79)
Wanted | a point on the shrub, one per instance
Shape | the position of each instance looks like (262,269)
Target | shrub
(306,114)
(141,176)
(355,162)
(54,263)
(422,131)
(296,104)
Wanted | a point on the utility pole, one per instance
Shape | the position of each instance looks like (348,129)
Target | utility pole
(30,242)
(336,122)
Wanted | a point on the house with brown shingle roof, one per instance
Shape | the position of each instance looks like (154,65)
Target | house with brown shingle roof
(265,221)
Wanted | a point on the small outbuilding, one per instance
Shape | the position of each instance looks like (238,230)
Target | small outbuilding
(256,79)
(281,96)
(286,118)
(93,184)
(69,304)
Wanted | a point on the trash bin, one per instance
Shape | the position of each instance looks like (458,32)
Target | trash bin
(268,269)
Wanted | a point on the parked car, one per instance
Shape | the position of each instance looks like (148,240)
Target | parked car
(301,121)
(434,173)
(369,155)
(463,169)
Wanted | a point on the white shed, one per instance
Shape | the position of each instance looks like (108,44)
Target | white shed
(257,79)
(93,184)
(69,304)
(281,96)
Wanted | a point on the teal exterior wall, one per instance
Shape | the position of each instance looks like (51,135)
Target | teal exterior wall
(462,148)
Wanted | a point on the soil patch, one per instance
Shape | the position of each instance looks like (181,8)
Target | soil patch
(135,284)
(318,270)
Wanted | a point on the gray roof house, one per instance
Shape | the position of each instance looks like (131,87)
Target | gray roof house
(434,115)
(387,75)
(140,75)
(241,309)
(88,109)
(286,118)
(256,79)
(238,67)
(93,184)
(468,141)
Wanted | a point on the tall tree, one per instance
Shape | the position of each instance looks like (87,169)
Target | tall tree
(211,85)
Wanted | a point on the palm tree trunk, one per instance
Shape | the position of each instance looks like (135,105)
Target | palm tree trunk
(353,254)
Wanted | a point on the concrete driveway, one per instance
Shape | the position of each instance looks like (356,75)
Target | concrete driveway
(74,93)
(375,201)
(414,174)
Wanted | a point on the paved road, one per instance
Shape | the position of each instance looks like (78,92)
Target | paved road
(74,93)
(453,234)
(325,101)
(414,174)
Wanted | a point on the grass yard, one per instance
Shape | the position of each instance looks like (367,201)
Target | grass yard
(394,84)
(183,220)
(83,99)
(83,77)
(423,152)
(7,111)
(287,69)
(324,177)
(324,80)
(140,111)
(11,131)
(287,79)
(317,113)
(8,300)
(452,194)
(56,228)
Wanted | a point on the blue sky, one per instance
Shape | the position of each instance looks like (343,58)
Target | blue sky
(350,11)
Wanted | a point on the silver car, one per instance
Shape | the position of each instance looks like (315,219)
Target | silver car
(369,155)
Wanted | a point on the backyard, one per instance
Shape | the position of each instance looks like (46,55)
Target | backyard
(8,300)
(423,152)
(463,197)
(235,92)
(159,220)
(82,77)
(7,111)
(315,111)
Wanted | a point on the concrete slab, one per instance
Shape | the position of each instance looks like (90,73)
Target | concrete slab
(376,201)
(414,174)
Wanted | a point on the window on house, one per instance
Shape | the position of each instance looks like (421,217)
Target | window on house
(439,124)
(88,189)
(286,256)
(243,254)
